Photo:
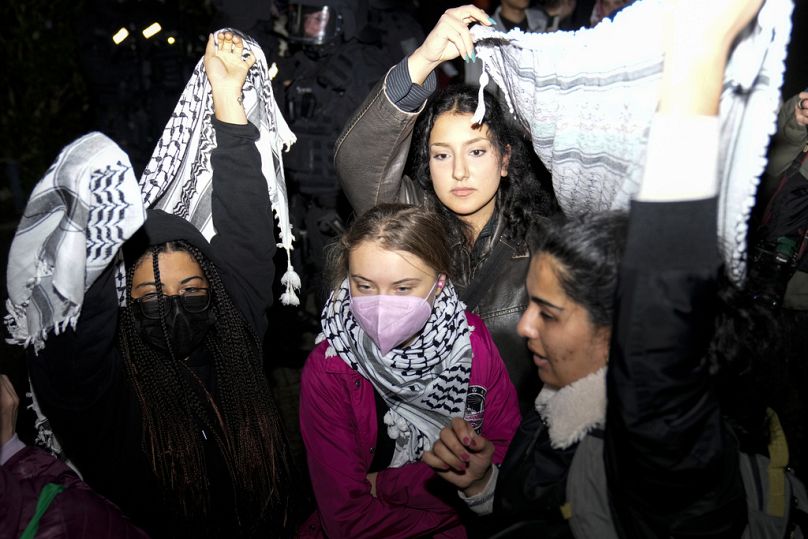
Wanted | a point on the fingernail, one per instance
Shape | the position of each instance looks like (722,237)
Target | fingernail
(473,442)
(492,21)
(466,440)
(474,56)
(466,58)
(465,457)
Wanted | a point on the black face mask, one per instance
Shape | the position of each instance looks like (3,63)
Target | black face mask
(186,329)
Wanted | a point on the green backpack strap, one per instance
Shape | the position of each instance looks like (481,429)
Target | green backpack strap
(46,497)
(778,461)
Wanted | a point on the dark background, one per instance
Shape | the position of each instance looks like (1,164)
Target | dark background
(63,76)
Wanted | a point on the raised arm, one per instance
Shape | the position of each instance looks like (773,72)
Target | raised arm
(226,67)
(672,466)
(245,240)
(372,150)
(77,368)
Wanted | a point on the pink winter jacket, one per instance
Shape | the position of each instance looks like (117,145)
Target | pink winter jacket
(339,428)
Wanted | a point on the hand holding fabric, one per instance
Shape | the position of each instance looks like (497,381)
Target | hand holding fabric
(448,40)
(226,66)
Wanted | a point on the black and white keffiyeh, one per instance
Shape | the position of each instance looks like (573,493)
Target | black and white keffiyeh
(178,177)
(424,384)
(588,98)
(77,218)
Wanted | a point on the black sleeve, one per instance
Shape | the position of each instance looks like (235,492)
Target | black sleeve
(532,480)
(242,215)
(672,466)
(77,367)
(81,386)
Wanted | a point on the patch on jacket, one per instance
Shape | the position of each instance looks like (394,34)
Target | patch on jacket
(475,407)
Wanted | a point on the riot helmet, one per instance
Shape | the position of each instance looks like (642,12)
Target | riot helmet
(322,22)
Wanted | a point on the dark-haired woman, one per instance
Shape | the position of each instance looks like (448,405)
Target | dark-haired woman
(477,175)
(163,404)
(398,358)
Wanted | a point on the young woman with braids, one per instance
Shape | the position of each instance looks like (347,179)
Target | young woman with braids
(477,175)
(398,357)
(163,404)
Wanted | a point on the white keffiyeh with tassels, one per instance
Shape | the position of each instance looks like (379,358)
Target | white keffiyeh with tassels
(588,98)
(79,214)
(178,178)
(88,204)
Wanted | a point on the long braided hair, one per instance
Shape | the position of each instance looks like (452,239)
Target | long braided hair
(241,418)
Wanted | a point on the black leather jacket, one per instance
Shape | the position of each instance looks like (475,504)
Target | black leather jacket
(371,154)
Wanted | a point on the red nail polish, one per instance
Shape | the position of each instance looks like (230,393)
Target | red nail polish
(466,440)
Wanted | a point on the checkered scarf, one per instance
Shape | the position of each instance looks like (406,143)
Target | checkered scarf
(79,214)
(424,384)
(178,177)
(588,98)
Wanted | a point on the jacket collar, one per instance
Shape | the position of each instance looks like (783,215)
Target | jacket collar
(573,411)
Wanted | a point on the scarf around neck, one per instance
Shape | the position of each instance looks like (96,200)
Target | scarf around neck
(588,97)
(424,384)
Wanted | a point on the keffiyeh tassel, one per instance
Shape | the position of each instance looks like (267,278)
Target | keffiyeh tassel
(178,177)
(479,113)
(291,281)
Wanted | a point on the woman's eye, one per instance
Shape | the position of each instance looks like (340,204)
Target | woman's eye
(547,316)
(363,287)
(440,156)
(193,291)
(479,152)
(403,289)
(149,297)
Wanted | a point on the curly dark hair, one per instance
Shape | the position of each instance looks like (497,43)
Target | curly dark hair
(744,357)
(521,196)
(589,249)
(241,416)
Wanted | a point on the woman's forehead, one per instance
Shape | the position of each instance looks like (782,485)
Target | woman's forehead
(174,266)
(457,127)
(543,280)
(372,261)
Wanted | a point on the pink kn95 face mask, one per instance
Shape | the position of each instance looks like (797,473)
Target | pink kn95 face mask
(391,320)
